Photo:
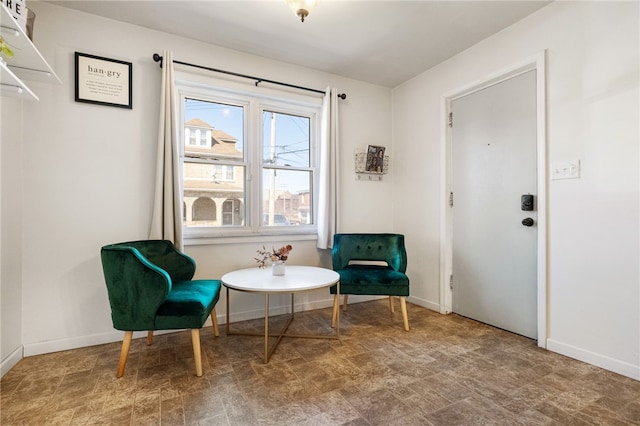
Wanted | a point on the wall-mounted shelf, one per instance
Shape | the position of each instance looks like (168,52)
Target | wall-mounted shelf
(361,168)
(26,64)
(11,85)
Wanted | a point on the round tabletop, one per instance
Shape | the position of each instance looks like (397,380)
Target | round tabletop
(296,278)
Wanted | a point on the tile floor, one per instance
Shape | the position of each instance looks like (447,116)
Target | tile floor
(447,370)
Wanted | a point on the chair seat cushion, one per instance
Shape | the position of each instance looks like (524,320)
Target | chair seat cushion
(372,280)
(188,304)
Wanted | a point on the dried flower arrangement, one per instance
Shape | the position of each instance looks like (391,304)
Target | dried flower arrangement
(281,254)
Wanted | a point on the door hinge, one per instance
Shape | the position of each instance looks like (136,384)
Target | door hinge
(450,119)
(451,199)
(451,281)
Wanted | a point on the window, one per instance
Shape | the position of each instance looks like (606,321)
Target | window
(249,163)
(195,136)
(223,173)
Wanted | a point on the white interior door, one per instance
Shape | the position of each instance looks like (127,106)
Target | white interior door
(494,241)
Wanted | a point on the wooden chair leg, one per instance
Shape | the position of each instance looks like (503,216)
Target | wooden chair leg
(149,337)
(197,355)
(124,353)
(336,306)
(391,304)
(405,318)
(214,320)
(344,307)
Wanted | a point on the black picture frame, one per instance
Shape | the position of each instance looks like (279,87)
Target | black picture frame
(103,81)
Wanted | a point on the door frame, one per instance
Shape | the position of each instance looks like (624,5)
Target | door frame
(538,63)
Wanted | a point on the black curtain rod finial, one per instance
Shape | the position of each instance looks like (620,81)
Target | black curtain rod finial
(342,96)
(157,58)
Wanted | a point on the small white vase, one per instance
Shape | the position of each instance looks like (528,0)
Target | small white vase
(278,268)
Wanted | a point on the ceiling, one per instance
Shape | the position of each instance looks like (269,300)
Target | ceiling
(380,42)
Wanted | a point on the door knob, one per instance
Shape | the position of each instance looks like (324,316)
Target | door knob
(528,221)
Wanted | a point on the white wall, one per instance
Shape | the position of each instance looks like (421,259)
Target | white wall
(592,115)
(88,171)
(10,235)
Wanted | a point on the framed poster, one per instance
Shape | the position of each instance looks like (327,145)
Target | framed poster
(103,81)
(375,159)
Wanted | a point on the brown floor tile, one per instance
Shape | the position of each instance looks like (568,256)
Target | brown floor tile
(448,370)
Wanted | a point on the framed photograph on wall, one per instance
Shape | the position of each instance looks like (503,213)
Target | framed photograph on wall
(375,159)
(103,81)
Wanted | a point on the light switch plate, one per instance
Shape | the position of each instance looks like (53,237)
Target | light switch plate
(565,170)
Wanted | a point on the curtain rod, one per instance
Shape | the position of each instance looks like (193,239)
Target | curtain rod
(258,80)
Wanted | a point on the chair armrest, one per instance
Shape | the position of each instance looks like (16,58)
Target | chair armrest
(136,287)
(180,266)
(164,255)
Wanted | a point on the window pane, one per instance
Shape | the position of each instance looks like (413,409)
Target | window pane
(286,197)
(213,130)
(240,148)
(210,199)
(285,139)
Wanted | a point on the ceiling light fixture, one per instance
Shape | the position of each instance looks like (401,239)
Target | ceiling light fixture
(302,8)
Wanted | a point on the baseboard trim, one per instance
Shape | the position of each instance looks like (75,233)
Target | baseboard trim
(50,346)
(620,367)
(424,303)
(10,361)
(602,361)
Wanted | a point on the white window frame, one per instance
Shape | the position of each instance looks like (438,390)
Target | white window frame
(254,101)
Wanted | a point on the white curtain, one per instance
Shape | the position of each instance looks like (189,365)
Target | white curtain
(328,188)
(166,221)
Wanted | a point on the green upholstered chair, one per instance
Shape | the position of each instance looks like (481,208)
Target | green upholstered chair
(150,288)
(371,264)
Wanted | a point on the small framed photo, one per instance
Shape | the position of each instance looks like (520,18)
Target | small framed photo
(103,81)
(375,159)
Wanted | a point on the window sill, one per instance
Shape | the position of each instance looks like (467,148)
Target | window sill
(248,238)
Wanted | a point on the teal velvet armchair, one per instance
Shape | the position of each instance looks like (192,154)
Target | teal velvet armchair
(371,264)
(150,288)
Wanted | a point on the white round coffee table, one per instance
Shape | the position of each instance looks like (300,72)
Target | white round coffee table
(296,279)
